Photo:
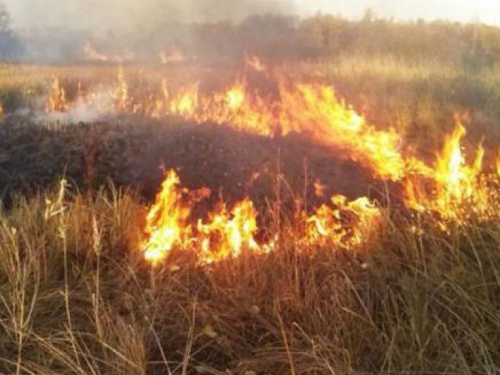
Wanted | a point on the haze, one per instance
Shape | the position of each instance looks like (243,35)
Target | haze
(111,14)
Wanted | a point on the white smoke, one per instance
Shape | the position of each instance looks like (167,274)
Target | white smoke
(98,107)
(116,16)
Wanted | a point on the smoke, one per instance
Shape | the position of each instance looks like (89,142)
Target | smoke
(58,30)
(119,16)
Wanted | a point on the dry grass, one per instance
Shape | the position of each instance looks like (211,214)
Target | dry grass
(77,299)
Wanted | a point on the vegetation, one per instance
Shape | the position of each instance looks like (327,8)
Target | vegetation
(77,298)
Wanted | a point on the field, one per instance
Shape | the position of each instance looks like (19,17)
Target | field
(397,285)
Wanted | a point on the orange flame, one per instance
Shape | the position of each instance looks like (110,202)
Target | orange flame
(347,224)
(56,101)
(316,111)
(185,104)
(227,233)
(456,187)
(121,98)
(498,163)
(167,225)
(239,110)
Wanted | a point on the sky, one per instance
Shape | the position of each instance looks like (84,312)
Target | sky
(96,13)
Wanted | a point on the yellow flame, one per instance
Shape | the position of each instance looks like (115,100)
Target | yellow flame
(166,222)
(56,101)
(121,98)
(456,188)
(185,104)
(316,111)
(225,234)
(228,233)
(346,223)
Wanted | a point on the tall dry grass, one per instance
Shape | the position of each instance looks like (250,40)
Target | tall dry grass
(77,298)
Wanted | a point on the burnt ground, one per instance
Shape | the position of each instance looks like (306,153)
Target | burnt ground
(134,152)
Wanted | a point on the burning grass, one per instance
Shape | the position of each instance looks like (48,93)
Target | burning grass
(234,268)
(78,297)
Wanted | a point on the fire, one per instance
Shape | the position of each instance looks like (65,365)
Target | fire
(314,110)
(235,97)
(121,97)
(56,101)
(457,188)
(238,109)
(167,221)
(185,104)
(227,233)
(498,163)
(346,223)
(224,234)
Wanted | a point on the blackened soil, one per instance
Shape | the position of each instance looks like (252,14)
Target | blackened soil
(134,152)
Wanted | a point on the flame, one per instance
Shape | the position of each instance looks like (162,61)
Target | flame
(346,223)
(312,110)
(239,110)
(228,233)
(457,188)
(225,234)
(185,104)
(316,111)
(166,222)
(235,97)
(121,97)
(497,163)
(56,101)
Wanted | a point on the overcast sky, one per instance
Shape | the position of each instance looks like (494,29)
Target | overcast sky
(99,13)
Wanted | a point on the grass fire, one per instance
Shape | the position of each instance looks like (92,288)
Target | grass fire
(240,193)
